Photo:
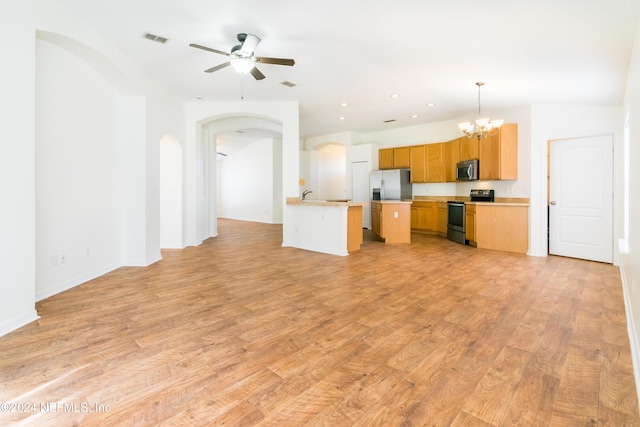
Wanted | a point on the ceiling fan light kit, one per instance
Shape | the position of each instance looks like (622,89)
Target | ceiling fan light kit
(242,58)
(482,126)
(242,65)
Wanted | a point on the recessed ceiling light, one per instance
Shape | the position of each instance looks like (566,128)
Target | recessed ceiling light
(394,95)
(341,118)
(414,116)
(431,104)
(344,104)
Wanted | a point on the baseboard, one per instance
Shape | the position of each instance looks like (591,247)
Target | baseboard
(18,322)
(631,329)
(46,293)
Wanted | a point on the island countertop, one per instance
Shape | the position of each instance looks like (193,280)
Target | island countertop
(331,202)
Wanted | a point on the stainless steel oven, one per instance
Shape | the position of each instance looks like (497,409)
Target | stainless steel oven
(456,225)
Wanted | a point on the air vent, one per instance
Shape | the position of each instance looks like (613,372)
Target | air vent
(288,84)
(389,121)
(155,38)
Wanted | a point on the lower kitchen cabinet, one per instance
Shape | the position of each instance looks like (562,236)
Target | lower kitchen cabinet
(442,214)
(501,227)
(470,223)
(430,217)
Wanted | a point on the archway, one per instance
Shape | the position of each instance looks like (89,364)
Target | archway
(241,171)
(328,171)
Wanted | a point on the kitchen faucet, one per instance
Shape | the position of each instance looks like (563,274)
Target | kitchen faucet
(305,193)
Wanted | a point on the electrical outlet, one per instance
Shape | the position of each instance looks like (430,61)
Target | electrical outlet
(63,258)
(395,214)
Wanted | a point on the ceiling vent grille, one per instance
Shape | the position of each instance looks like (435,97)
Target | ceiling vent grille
(389,121)
(155,38)
(288,84)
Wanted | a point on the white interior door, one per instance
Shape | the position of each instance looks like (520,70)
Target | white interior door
(581,198)
(360,189)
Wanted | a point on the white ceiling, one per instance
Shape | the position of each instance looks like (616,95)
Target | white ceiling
(362,51)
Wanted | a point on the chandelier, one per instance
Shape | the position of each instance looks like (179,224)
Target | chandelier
(482,126)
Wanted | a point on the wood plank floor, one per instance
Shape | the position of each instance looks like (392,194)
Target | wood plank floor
(243,332)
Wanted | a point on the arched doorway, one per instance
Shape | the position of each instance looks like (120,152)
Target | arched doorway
(241,171)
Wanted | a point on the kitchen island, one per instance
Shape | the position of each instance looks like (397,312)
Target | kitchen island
(328,226)
(391,220)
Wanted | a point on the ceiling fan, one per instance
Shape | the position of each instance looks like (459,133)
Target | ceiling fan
(242,57)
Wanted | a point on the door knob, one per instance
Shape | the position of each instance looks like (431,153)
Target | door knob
(553,203)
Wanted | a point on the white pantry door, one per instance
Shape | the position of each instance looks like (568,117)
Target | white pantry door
(581,198)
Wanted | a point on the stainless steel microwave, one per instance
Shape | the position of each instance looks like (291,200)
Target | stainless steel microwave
(467,170)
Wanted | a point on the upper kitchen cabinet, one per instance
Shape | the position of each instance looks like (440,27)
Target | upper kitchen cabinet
(436,165)
(451,157)
(385,158)
(499,154)
(469,148)
(394,158)
(402,157)
(418,163)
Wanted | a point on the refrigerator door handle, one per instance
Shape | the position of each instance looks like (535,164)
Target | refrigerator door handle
(382,190)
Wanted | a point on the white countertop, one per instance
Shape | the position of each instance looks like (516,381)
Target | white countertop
(329,203)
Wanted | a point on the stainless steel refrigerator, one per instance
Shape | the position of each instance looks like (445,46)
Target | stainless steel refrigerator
(390,184)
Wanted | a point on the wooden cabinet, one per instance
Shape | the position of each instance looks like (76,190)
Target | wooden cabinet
(402,157)
(435,162)
(470,221)
(469,148)
(376,213)
(429,216)
(500,227)
(354,228)
(424,216)
(418,163)
(499,154)
(385,158)
(391,221)
(451,158)
(394,158)
(442,217)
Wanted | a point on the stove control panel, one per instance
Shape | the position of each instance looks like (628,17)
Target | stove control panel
(482,195)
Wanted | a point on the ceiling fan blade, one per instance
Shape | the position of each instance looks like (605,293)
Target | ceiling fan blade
(208,49)
(218,67)
(277,61)
(257,74)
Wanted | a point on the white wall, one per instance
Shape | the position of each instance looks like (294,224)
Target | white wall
(99,123)
(78,207)
(247,187)
(630,258)
(170,193)
(17,167)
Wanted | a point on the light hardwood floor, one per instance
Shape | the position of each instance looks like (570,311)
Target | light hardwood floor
(241,332)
